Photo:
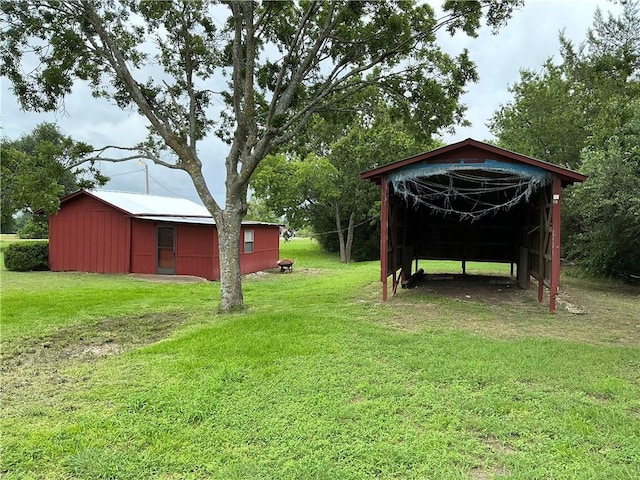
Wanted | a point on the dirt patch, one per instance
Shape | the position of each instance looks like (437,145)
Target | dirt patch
(488,473)
(485,288)
(268,274)
(262,274)
(498,449)
(109,336)
(592,311)
(37,366)
(167,278)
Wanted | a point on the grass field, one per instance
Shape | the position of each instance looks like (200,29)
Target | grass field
(110,377)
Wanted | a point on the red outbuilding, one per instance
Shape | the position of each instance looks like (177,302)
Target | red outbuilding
(115,232)
(472,201)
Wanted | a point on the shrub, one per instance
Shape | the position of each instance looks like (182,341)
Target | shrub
(35,227)
(26,256)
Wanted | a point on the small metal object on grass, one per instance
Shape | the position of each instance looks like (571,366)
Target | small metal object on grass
(286,265)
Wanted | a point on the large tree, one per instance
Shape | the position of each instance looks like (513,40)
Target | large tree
(41,167)
(580,99)
(326,192)
(607,206)
(582,112)
(545,119)
(283,61)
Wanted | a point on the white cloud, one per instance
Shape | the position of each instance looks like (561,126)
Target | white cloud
(99,123)
(527,41)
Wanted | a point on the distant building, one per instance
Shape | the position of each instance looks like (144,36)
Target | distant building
(115,232)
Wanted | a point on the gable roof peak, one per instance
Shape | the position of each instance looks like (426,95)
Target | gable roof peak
(567,176)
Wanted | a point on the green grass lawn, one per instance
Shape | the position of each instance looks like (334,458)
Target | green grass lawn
(109,377)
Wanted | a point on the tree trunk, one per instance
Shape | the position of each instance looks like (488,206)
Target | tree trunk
(229,224)
(349,244)
(343,250)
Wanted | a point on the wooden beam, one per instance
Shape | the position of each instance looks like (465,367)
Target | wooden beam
(384,236)
(555,243)
(541,237)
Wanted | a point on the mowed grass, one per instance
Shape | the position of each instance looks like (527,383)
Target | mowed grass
(109,377)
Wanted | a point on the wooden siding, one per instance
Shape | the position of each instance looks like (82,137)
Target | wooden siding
(89,236)
(266,248)
(196,251)
(143,247)
(470,149)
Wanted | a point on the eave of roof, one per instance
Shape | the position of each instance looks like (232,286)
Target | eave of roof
(159,217)
(197,220)
(567,176)
(177,219)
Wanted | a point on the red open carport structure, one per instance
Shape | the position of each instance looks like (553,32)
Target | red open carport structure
(471,201)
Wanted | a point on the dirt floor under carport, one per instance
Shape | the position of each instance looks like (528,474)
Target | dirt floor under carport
(588,310)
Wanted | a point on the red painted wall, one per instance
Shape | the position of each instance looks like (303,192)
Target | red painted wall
(89,236)
(266,248)
(143,246)
(196,251)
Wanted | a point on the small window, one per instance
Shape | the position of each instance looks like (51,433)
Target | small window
(248,241)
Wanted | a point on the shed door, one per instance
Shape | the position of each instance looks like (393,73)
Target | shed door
(166,251)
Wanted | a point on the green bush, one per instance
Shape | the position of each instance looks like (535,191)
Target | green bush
(27,256)
(35,227)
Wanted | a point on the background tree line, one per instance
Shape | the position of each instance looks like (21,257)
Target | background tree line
(38,169)
(583,112)
(315,181)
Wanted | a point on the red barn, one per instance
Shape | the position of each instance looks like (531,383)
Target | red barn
(114,232)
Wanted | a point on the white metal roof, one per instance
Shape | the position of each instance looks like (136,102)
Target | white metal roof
(140,204)
(161,209)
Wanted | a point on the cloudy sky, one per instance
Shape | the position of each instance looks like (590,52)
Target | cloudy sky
(526,42)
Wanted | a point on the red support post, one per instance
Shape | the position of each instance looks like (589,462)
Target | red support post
(384,236)
(555,243)
(541,243)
